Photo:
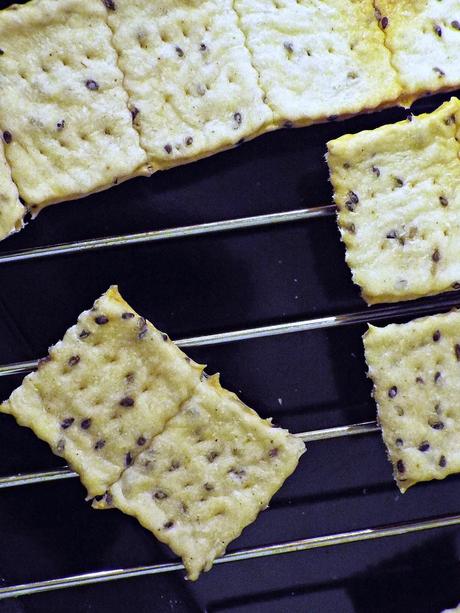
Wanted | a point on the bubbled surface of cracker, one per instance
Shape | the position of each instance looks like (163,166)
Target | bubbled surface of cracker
(424,39)
(397,189)
(104,391)
(318,59)
(11,210)
(63,103)
(191,85)
(210,472)
(415,368)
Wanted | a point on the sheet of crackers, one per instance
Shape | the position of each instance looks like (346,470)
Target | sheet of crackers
(114,89)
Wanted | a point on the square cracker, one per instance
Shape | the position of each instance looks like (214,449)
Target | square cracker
(11,210)
(191,85)
(104,391)
(397,189)
(62,107)
(206,477)
(424,39)
(318,59)
(415,368)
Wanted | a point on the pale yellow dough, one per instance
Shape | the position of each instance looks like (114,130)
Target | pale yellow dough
(206,477)
(123,375)
(189,77)
(415,368)
(11,209)
(397,189)
(63,103)
(318,59)
(424,39)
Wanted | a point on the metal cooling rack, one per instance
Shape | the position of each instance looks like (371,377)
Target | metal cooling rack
(372,314)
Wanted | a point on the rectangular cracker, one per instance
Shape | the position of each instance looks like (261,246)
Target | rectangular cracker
(192,89)
(397,190)
(415,368)
(11,210)
(318,59)
(424,39)
(63,111)
(206,477)
(104,391)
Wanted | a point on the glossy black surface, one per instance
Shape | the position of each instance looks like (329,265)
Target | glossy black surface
(306,381)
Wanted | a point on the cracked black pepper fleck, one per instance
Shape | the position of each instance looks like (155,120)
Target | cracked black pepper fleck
(160,495)
(168,524)
(443,200)
(424,446)
(392,391)
(455,24)
(99,445)
(67,422)
(101,320)
(60,124)
(384,22)
(238,118)
(419,380)
(84,334)
(437,376)
(141,441)
(442,461)
(73,360)
(128,459)
(7,137)
(212,455)
(110,4)
(127,401)
(92,85)
(288,46)
(134,112)
(352,201)
(436,256)
(437,30)
(436,336)
(168,148)
(437,425)
(376,171)
(86,423)
(127,315)
(399,442)
(179,52)
(400,466)
(457,352)
(203,47)
(439,72)
(189,141)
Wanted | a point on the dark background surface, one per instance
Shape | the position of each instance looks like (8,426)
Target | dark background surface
(306,381)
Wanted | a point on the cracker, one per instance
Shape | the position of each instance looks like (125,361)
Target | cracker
(62,105)
(11,210)
(424,39)
(397,189)
(457,608)
(207,475)
(320,59)
(191,86)
(104,391)
(415,368)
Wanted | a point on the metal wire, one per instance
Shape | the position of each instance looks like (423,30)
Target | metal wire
(66,473)
(372,314)
(157,235)
(341,538)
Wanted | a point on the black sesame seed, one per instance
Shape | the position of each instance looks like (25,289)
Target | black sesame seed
(128,459)
(73,360)
(84,334)
(189,141)
(457,352)
(400,466)
(384,22)
(110,4)
(436,336)
(101,320)
(399,442)
(168,148)
(168,524)
(7,137)
(99,444)
(436,256)
(127,401)
(60,124)
(392,391)
(127,315)
(376,171)
(160,495)
(437,376)
(424,446)
(86,423)
(437,425)
(455,24)
(67,422)
(92,85)
(443,200)
(437,30)
(141,441)
(352,201)
(442,461)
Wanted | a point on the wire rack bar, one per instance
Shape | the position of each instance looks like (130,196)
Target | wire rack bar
(372,314)
(66,473)
(341,538)
(157,235)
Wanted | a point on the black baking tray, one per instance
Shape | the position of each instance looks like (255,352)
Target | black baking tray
(306,381)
